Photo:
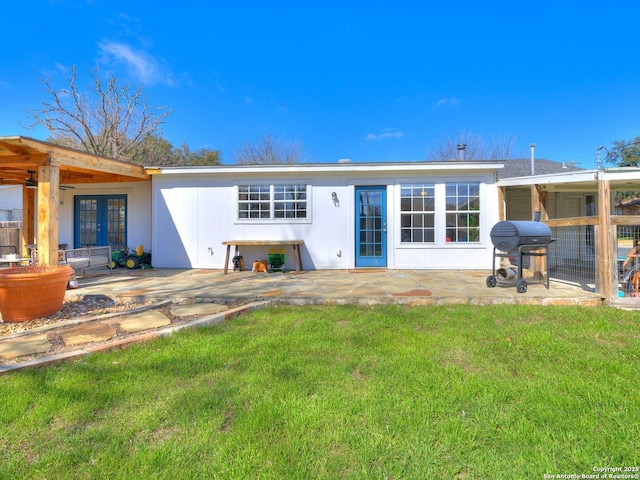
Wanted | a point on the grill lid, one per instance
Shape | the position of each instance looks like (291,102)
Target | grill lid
(510,234)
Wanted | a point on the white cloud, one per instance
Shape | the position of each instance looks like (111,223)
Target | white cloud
(142,66)
(386,134)
(249,100)
(447,102)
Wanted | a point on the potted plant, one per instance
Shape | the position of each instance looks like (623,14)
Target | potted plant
(32,292)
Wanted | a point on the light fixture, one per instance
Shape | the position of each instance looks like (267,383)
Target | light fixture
(31,182)
(334,199)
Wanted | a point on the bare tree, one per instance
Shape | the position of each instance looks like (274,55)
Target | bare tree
(268,150)
(504,148)
(476,148)
(112,120)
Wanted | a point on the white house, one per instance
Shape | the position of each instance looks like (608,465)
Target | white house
(432,215)
(400,215)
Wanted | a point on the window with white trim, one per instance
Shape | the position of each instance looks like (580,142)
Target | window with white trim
(254,201)
(417,213)
(269,202)
(463,212)
(290,201)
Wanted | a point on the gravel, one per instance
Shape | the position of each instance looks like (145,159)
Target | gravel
(88,306)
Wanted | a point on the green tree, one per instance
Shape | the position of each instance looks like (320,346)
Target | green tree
(624,153)
(161,153)
(184,156)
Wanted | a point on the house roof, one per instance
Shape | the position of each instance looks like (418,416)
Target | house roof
(522,168)
(21,155)
(340,168)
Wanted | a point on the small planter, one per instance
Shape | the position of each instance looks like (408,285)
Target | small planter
(32,292)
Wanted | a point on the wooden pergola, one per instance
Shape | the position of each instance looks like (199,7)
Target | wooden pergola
(601,183)
(53,166)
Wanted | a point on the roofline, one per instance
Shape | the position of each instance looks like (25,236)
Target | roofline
(616,176)
(564,177)
(350,167)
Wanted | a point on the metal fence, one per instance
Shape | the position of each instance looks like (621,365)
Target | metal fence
(571,256)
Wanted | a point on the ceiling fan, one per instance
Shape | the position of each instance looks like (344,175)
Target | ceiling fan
(33,183)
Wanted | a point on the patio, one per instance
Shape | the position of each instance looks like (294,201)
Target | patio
(366,287)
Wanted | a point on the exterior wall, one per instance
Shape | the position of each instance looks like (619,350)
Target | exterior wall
(138,210)
(193,213)
(10,202)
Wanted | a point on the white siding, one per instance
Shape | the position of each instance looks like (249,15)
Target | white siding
(193,213)
(11,201)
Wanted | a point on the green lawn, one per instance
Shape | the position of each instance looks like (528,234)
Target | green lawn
(341,392)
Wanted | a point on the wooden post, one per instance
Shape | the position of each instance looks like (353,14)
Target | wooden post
(538,204)
(604,252)
(502,215)
(48,202)
(28,220)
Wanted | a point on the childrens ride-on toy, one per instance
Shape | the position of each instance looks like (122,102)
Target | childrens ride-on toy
(131,259)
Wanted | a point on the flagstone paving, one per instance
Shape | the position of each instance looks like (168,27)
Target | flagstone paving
(209,296)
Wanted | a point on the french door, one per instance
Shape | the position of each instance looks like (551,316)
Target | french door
(371,226)
(100,220)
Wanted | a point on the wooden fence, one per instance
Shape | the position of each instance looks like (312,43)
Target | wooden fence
(10,237)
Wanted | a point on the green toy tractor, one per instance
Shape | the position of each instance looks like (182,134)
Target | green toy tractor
(131,259)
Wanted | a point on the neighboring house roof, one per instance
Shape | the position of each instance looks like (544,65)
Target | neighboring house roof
(522,168)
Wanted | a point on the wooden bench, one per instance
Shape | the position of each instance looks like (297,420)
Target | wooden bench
(295,244)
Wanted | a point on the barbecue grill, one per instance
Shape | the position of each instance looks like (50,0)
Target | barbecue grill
(518,239)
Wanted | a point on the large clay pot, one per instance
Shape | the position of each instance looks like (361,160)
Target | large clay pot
(32,292)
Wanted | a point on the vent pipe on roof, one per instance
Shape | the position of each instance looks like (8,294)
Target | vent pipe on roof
(533,156)
(461,151)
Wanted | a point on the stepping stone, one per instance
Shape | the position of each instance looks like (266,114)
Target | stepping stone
(20,347)
(144,321)
(197,309)
(95,332)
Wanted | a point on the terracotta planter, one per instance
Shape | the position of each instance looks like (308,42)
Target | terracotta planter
(32,292)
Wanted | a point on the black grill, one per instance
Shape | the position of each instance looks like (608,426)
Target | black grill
(516,240)
(507,236)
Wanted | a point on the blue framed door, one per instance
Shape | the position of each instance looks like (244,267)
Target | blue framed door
(100,220)
(371,226)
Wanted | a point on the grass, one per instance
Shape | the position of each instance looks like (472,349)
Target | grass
(341,392)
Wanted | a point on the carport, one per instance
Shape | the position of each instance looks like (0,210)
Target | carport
(43,169)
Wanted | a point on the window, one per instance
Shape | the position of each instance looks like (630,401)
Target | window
(417,213)
(290,201)
(254,201)
(463,212)
(272,202)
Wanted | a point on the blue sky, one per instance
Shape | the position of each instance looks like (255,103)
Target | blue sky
(370,81)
